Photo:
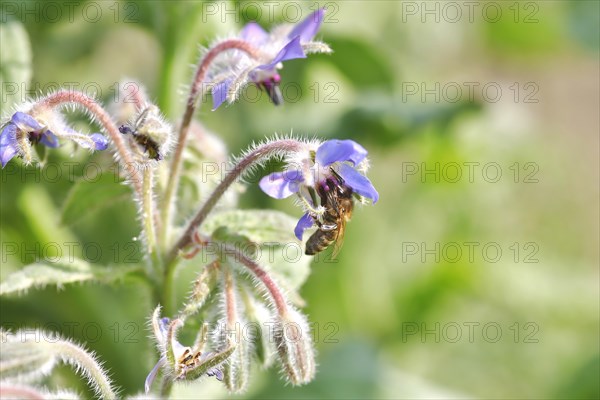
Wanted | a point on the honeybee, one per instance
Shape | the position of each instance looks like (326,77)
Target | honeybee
(338,203)
(143,139)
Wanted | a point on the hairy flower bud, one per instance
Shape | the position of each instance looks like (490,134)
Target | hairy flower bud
(294,347)
(237,369)
(150,136)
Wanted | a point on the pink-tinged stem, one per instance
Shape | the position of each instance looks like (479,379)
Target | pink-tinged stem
(136,93)
(230,307)
(265,278)
(261,153)
(195,92)
(63,97)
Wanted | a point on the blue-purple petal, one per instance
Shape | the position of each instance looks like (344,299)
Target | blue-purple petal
(152,375)
(290,51)
(358,182)
(100,141)
(49,139)
(308,28)
(280,185)
(304,223)
(8,143)
(219,93)
(216,372)
(254,34)
(26,122)
(340,150)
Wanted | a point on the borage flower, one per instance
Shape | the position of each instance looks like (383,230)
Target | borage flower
(284,42)
(22,131)
(323,177)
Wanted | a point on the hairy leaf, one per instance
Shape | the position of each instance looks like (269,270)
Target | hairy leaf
(63,272)
(257,226)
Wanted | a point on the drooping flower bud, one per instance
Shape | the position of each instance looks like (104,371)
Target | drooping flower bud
(237,369)
(292,338)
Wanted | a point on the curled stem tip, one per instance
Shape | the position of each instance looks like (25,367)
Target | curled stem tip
(63,97)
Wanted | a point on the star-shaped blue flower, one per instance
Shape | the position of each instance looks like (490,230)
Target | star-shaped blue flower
(284,43)
(24,125)
(334,160)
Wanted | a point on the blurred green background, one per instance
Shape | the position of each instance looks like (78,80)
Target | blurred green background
(476,275)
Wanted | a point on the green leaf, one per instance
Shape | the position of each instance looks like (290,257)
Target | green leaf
(257,226)
(63,272)
(89,196)
(15,62)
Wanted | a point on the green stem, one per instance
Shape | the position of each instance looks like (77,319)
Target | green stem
(148,216)
(85,362)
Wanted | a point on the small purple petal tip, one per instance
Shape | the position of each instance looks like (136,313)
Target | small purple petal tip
(304,223)
(308,28)
(100,141)
(290,51)
(219,93)
(152,375)
(359,183)
(8,143)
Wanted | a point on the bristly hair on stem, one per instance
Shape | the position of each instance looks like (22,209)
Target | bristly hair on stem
(198,85)
(257,155)
(22,350)
(93,109)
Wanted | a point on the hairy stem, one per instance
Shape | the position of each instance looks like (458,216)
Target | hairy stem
(64,97)
(262,275)
(260,154)
(195,91)
(148,217)
(230,306)
(83,361)
(200,291)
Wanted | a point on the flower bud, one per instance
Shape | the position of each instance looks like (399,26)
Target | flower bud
(150,136)
(295,347)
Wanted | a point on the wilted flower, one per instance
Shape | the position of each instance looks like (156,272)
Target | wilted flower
(284,42)
(180,362)
(23,130)
(332,165)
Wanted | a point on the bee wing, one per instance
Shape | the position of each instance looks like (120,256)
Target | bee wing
(339,238)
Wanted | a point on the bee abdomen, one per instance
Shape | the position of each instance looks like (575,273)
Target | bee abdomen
(319,241)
